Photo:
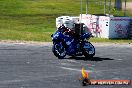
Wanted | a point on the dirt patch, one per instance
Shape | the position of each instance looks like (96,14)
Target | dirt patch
(50,43)
(25,42)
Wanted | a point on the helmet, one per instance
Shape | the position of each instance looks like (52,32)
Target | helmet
(62,27)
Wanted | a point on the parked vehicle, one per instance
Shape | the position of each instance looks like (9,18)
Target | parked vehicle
(67,42)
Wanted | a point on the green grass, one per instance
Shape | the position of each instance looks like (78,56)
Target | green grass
(34,20)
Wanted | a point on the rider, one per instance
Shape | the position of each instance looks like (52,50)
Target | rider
(69,33)
(66,30)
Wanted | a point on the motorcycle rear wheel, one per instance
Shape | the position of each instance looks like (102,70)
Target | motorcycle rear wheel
(89,52)
(59,50)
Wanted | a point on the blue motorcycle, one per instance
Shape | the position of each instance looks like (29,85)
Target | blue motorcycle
(67,42)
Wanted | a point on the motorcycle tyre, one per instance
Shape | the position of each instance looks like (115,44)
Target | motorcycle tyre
(87,55)
(55,53)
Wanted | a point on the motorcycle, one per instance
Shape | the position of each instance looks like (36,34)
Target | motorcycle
(66,42)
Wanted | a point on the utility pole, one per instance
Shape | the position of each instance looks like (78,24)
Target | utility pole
(125,8)
(104,7)
(109,7)
(81,9)
(86,6)
(80,17)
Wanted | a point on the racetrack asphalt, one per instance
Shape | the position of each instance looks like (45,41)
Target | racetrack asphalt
(35,66)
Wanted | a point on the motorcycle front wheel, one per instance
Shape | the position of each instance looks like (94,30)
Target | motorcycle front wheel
(59,50)
(88,50)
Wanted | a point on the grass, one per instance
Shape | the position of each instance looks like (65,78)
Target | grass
(34,20)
